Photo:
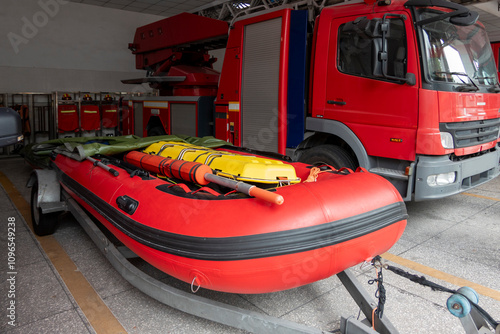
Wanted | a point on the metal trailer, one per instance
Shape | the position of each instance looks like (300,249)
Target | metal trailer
(48,199)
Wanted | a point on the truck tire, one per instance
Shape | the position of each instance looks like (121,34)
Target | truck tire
(332,155)
(43,223)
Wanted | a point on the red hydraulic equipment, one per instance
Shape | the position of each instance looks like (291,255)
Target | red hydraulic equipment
(174,51)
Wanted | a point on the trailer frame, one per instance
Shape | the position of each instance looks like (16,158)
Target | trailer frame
(47,184)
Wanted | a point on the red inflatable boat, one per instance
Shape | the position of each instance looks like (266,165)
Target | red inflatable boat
(215,238)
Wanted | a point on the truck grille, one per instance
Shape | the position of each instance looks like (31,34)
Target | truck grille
(466,134)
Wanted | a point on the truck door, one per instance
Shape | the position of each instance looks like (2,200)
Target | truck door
(380,105)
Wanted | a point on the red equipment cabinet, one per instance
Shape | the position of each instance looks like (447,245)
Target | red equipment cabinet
(109,116)
(67,118)
(90,117)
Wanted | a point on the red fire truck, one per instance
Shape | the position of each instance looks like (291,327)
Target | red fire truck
(406,89)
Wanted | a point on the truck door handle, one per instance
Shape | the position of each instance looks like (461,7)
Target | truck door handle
(340,103)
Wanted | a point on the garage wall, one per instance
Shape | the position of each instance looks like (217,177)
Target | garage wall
(55,45)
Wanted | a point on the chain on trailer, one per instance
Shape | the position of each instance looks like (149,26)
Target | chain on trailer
(463,303)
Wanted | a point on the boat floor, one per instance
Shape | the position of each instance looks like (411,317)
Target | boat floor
(450,238)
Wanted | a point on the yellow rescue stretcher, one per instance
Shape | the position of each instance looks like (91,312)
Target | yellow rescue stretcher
(230,165)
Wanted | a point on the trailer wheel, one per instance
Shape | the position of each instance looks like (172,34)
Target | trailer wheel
(43,223)
(332,155)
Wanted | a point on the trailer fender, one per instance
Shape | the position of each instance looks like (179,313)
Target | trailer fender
(49,190)
(340,130)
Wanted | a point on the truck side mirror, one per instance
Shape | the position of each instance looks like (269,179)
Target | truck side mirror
(411,80)
(388,50)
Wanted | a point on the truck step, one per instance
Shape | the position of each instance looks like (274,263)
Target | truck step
(390,173)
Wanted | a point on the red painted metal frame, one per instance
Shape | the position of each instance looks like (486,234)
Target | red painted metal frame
(283,82)
(164,117)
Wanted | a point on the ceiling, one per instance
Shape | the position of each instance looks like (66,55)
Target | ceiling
(156,7)
(489,13)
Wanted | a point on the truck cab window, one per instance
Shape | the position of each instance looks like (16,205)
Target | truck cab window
(361,44)
(457,55)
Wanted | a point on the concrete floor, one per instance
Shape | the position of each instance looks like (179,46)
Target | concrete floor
(456,238)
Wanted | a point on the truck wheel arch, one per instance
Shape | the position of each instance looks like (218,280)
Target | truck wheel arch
(324,130)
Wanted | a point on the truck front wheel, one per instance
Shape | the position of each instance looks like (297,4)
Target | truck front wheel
(332,155)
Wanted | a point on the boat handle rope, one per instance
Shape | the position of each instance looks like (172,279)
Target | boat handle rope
(206,189)
(315,171)
(181,185)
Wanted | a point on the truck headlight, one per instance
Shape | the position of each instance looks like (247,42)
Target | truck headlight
(446,140)
(441,179)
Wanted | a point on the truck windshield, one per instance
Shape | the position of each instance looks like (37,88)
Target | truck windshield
(460,55)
